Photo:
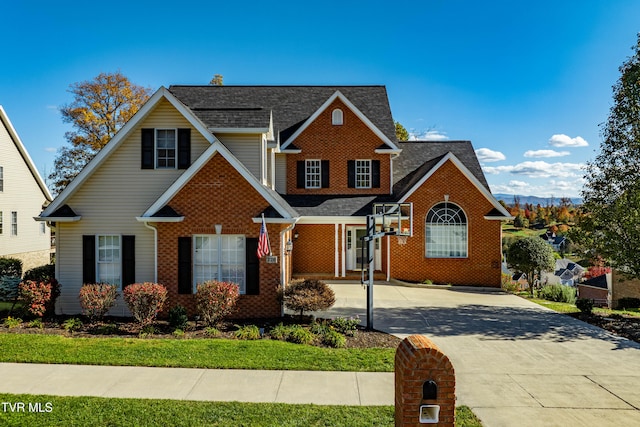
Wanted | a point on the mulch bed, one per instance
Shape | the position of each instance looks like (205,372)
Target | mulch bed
(126,328)
(621,325)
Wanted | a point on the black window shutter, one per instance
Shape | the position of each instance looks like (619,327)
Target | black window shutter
(147,149)
(89,259)
(351,173)
(128,260)
(324,169)
(253,267)
(184,265)
(301,174)
(375,173)
(184,148)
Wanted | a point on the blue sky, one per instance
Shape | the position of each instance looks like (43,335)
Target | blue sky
(527,82)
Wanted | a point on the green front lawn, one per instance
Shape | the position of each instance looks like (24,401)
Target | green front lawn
(191,353)
(563,307)
(83,411)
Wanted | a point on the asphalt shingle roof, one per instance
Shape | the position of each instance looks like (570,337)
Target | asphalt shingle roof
(242,106)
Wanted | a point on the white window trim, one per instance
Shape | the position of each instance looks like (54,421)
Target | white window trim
(307,174)
(242,289)
(119,262)
(466,231)
(175,148)
(337,117)
(368,174)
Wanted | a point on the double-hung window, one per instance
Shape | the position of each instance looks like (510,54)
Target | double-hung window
(313,174)
(220,257)
(14,223)
(363,173)
(446,232)
(1,179)
(109,260)
(165,148)
(1,222)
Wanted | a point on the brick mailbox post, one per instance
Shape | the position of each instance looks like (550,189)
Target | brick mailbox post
(425,384)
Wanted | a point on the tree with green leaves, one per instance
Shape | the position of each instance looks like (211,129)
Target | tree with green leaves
(612,190)
(100,107)
(531,256)
(217,80)
(401,132)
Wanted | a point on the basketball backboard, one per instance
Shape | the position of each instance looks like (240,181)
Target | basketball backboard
(394,218)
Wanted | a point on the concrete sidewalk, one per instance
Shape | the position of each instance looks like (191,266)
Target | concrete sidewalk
(304,387)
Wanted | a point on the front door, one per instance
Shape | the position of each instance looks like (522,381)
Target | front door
(354,249)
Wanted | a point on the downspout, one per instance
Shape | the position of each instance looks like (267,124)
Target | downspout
(155,250)
(283,272)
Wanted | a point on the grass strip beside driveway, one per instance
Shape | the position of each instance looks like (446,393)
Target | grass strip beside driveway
(191,353)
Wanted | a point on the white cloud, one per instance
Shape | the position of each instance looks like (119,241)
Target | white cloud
(545,153)
(539,169)
(50,149)
(550,188)
(563,140)
(488,155)
(429,135)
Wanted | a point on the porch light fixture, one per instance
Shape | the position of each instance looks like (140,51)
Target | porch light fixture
(288,246)
(218,228)
(446,197)
(296,235)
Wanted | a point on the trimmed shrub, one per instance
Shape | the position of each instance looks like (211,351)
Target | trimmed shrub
(558,293)
(145,301)
(628,302)
(97,299)
(585,305)
(36,296)
(178,317)
(308,295)
(216,300)
(10,267)
(42,273)
(9,288)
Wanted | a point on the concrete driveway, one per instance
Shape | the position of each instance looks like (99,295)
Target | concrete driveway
(516,363)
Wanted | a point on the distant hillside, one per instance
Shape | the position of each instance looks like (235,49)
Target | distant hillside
(534,200)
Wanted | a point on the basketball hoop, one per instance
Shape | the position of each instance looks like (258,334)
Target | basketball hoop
(402,240)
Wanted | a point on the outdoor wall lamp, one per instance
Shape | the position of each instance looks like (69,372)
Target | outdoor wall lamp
(218,228)
(288,246)
(296,235)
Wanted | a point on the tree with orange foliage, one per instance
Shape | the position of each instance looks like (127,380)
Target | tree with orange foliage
(99,109)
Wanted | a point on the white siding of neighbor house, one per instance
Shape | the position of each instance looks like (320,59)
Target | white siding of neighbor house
(247,148)
(109,202)
(22,194)
(281,173)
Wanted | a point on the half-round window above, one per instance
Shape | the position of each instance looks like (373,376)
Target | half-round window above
(446,232)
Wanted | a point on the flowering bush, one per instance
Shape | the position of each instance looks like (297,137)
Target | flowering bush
(96,299)
(215,300)
(145,300)
(36,296)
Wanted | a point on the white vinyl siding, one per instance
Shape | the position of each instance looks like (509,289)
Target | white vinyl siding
(21,194)
(248,149)
(111,199)
(281,173)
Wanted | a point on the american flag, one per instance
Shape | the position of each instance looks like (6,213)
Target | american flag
(263,241)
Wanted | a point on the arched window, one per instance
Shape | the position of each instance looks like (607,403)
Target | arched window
(446,232)
(337,117)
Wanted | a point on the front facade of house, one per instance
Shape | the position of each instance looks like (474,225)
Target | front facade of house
(22,196)
(179,195)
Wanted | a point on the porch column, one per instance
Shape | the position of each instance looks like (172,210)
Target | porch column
(336,271)
(344,250)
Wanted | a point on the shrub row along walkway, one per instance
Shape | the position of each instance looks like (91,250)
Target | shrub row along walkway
(304,387)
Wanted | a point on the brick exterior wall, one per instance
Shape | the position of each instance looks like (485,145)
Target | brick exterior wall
(351,141)
(623,287)
(418,360)
(599,295)
(314,250)
(482,265)
(218,194)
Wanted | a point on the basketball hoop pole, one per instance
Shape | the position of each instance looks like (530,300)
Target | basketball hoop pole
(372,247)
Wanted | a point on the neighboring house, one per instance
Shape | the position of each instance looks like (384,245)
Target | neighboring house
(566,272)
(521,280)
(597,289)
(23,195)
(178,195)
(558,243)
